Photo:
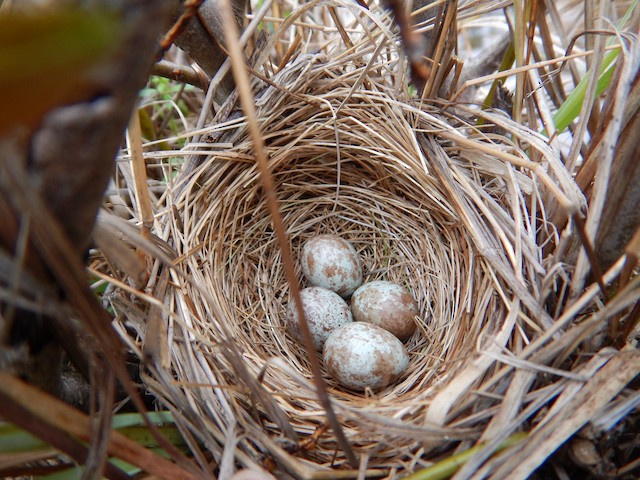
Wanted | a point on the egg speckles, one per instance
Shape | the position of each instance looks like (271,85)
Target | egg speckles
(331,262)
(360,355)
(325,311)
(387,305)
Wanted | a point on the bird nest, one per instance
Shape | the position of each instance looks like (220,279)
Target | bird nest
(458,214)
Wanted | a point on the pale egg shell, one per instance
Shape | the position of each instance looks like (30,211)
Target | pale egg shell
(324,310)
(331,262)
(387,305)
(360,355)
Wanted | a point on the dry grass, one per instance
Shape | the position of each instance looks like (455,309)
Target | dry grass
(476,219)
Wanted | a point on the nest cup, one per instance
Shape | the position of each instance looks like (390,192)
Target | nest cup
(403,230)
(422,211)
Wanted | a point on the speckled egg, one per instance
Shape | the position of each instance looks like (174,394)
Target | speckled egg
(331,262)
(360,355)
(325,311)
(387,305)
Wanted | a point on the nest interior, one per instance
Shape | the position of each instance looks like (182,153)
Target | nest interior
(452,224)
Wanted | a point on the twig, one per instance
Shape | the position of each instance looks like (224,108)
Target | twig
(413,44)
(591,253)
(180,73)
(190,10)
(630,324)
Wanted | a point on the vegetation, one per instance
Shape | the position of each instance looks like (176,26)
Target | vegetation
(481,153)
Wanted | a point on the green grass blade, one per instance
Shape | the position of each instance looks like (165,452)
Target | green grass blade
(447,467)
(124,420)
(16,440)
(571,107)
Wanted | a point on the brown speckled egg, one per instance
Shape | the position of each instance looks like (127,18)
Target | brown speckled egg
(360,355)
(325,311)
(331,262)
(387,305)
